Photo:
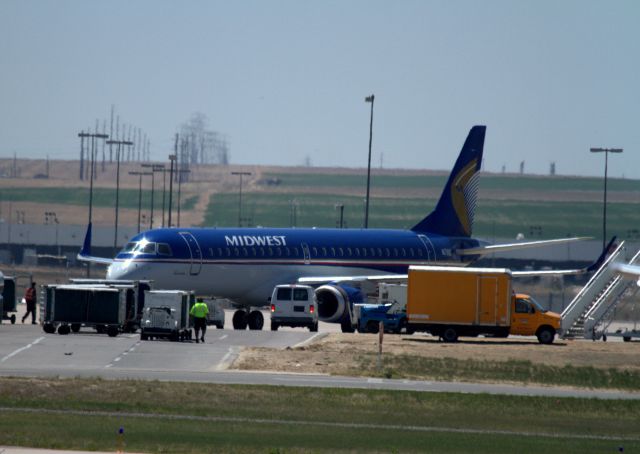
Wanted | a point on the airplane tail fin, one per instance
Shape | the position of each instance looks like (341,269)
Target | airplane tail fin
(453,215)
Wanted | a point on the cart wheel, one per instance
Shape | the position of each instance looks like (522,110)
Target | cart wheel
(13,319)
(112,331)
(49,328)
(64,330)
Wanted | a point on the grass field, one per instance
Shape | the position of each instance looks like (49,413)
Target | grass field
(502,182)
(194,418)
(511,371)
(501,219)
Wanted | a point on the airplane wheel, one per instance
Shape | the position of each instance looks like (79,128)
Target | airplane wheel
(256,320)
(240,319)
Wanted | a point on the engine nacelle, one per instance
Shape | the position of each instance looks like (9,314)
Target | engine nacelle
(335,302)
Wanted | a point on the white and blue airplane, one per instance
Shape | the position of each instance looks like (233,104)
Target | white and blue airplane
(245,264)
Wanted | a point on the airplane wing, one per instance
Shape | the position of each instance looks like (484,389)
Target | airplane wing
(632,271)
(588,269)
(401,278)
(493,248)
(388,278)
(85,253)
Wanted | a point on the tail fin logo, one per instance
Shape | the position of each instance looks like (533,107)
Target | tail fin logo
(455,210)
(464,192)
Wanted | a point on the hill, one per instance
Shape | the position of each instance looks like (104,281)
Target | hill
(538,206)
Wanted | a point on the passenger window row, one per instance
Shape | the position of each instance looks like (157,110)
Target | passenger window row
(317,252)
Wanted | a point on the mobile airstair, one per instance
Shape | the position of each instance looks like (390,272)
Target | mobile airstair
(590,312)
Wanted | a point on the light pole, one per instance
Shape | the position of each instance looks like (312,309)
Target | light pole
(164,189)
(606,152)
(341,207)
(140,174)
(241,174)
(154,168)
(366,212)
(51,218)
(172,159)
(180,172)
(93,153)
(293,221)
(119,143)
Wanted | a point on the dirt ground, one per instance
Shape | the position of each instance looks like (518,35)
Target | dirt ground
(333,353)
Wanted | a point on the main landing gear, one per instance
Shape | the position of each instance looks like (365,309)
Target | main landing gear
(243,318)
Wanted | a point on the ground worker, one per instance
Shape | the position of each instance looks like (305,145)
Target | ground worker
(199,313)
(30,299)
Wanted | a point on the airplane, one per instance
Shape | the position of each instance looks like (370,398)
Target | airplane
(628,271)
(245,264)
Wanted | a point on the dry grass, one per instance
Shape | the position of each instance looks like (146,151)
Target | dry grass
(346,354)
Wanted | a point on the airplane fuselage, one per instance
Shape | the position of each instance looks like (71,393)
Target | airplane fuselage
(244,264)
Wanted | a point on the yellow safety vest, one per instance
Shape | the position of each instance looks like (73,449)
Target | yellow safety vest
(199,310)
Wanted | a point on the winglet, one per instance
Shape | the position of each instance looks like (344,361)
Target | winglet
(603,256)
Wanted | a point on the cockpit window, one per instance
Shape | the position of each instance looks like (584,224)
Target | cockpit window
(129,247)
(147,248)
(164,249)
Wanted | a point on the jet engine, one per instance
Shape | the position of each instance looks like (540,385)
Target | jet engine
(335,304)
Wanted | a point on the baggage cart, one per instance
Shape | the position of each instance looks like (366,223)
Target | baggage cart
(166,315)
(9,302)
(135,294)
(66,308)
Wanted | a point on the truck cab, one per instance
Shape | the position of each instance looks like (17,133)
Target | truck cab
(529,318)
(294,305)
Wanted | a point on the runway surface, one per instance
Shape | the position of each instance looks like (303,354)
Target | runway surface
(25,350)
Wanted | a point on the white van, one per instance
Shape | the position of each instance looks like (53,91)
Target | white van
(294,305)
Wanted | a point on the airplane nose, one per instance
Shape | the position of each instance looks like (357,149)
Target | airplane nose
(116,271)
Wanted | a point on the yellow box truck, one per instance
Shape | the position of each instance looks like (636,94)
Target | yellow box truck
(452,301)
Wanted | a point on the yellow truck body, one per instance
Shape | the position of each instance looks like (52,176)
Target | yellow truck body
(454,301)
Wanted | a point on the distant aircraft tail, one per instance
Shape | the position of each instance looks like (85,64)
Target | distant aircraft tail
(453,215)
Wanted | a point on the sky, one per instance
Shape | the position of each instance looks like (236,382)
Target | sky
(285,80)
